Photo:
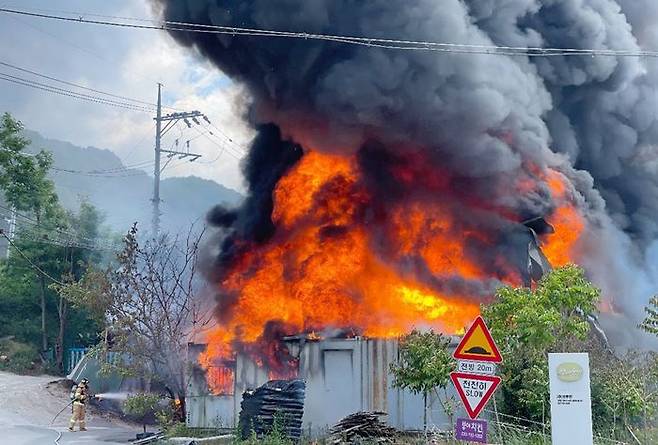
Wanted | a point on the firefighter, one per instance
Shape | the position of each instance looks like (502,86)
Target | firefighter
(80,399)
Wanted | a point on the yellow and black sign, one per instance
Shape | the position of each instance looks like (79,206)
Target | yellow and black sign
(477,344)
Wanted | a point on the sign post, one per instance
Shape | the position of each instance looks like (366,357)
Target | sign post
(571,404)
(475,379)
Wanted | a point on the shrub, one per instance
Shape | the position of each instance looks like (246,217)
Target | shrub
(141,405)
(19,358)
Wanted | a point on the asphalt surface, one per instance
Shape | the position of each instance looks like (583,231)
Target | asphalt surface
(28,405)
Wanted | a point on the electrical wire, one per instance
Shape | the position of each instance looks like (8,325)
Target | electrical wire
(113,62)
(82,95)
(61,242)
(36,224)
(242,150)
(110,173)
(134,146)
(99,173)
(119,169)
(67,243)
(25,70)
(397,44)
(128,175)
(68,93)
(34,266)
(221,147)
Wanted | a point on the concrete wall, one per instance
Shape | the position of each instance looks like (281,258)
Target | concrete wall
(342,376)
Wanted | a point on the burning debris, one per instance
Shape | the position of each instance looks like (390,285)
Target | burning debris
(394,189)
(276,404)
(362,427)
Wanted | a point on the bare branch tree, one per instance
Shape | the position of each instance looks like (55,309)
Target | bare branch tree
(152,304)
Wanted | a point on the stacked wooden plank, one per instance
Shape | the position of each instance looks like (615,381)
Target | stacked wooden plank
(278,405)
(363,427)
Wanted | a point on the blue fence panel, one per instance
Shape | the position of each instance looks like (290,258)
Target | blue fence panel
(74,357)
(76,354)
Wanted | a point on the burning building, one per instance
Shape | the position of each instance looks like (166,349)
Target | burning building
(392,187)
(342,375)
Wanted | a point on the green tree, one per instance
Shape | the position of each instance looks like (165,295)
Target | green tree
(424,364)
(26,187)
(529,323)
(86,225)
(624,393)
(39,257)
(23,178)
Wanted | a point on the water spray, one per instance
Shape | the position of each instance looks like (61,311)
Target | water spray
(112,396)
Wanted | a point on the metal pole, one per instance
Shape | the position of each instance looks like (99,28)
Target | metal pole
(12,227)
(156,169)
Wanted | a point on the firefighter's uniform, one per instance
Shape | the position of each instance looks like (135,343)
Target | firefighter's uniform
(80,399)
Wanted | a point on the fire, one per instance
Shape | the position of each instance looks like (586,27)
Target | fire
(327,266)
(220,379)
(569,224)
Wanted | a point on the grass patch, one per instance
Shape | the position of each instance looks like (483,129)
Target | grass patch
(182,430)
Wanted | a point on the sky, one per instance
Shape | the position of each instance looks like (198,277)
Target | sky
(126,62)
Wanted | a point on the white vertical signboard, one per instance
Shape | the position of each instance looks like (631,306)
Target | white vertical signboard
(571,404)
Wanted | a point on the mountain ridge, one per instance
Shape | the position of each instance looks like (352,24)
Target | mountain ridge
(123,194)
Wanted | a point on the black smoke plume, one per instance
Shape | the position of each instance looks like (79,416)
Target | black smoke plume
(482,118)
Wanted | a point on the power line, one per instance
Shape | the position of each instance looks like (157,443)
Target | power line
(34,266)
(69,93)
(34,223)
(110,173)
(103,57)
(216,143)
(81,95)
(238,148)
(25,70)
(134,146)
(75,172)
(99,173)
(66,243)
(118,169)
(226,136)
(398,44)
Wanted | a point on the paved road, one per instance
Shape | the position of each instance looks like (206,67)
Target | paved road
(41,435)
(28,405)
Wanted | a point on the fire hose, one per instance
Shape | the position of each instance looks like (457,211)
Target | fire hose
(67,405)
(61,411)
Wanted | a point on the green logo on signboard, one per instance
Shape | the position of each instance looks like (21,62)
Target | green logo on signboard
(569,372)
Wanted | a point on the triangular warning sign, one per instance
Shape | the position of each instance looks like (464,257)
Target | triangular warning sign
(477,344)
(475,390)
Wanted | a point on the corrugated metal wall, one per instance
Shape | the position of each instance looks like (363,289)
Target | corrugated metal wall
(342,376)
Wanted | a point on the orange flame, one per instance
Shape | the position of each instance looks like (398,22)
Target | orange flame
(321,269)
(561,247)
(220,380)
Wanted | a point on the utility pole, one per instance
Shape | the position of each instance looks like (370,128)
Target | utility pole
(156,170)
(171,120)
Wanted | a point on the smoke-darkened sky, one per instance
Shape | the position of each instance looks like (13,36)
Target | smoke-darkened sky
(481,117)
(127,62)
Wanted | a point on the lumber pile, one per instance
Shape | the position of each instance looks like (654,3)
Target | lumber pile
(278,404)
(362,427)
